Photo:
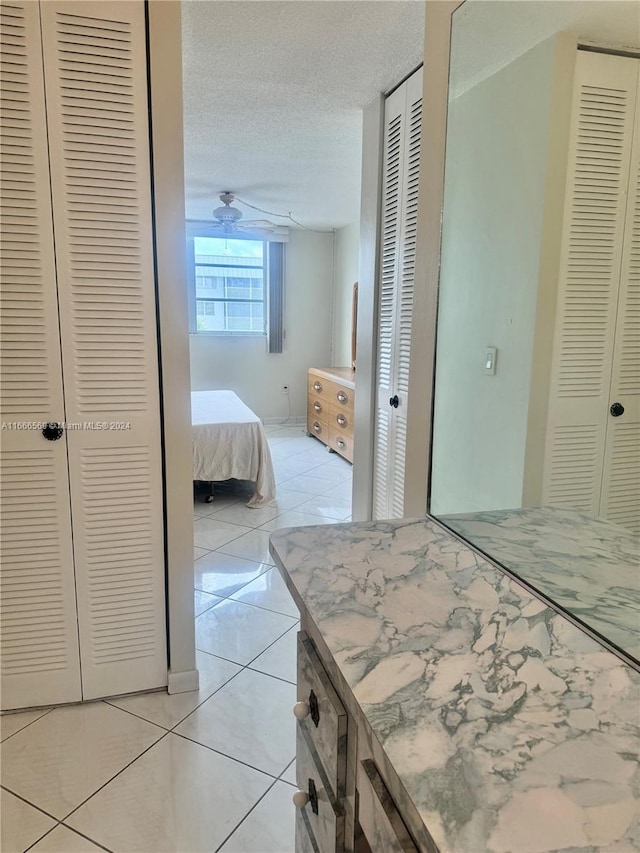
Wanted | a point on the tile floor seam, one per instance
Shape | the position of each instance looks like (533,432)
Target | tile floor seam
(50,830)
(29,803)
(26,726)
(88,837)
(74,810)
(71,829)
(266,648)
(275,782)
(226,754)
(204,701)
(270,674)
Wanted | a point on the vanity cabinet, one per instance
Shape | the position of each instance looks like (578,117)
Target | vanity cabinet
(343,801)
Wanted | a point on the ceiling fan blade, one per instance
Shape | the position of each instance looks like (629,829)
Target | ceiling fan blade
(254,224)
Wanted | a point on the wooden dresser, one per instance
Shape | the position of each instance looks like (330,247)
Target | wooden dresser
(330,397)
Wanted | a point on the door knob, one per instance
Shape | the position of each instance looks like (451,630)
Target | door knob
(52,431)
(394,401)
(617,409)
(301,710)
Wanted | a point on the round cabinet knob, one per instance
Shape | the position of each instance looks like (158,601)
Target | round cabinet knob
(317,407)
(301,710)
(617,409)
(317,427)
(317,386)
(342,397)
(300,799)
(52,432)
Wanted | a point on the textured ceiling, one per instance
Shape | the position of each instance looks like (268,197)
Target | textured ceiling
(273,93)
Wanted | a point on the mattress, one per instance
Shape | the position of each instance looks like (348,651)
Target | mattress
(229,442)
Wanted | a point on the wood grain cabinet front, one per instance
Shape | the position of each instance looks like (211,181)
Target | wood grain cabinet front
(330,408)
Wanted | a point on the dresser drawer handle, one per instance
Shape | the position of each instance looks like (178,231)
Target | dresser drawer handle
(317,386)
(317,428)
(342,421)
(342,397)
(317,407)
(301,798)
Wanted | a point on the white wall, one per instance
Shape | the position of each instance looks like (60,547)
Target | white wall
(243,364)
(497,144)
(347,248)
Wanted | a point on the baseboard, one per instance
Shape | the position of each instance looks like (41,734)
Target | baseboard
(294,420)
(183,682)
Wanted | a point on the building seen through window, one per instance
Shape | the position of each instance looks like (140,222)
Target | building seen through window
(230,283)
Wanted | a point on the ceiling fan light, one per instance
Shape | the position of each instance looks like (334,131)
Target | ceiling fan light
(227,215)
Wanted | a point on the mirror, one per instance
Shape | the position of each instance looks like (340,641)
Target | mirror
(536,434)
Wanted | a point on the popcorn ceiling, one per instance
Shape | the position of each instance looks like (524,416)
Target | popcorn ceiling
(273,93)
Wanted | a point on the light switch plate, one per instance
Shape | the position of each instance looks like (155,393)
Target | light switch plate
(490,360)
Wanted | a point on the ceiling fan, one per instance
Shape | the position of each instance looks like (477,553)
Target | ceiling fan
(227,218)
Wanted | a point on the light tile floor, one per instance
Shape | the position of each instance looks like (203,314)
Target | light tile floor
(206,771)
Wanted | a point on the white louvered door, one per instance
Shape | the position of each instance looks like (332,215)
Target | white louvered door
(38,630)
(401,161)
(591,305)
(620,500)
(96,85)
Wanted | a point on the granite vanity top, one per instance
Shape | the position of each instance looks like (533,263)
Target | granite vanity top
(511,730)
(587,565)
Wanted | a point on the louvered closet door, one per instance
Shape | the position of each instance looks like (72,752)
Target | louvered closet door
(95,73)
(620,500)
(598,177)
(401,160)
(38,631)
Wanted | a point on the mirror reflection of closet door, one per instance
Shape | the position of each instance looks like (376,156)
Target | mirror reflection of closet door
(401,164)
(592,455)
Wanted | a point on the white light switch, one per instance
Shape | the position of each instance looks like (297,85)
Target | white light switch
(490,359)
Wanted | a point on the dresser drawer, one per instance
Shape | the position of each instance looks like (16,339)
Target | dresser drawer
(323,815)
(317,408)
(378,816)
(341,419)
(332,392)
(341,442)
(318,386)
(317,427)
(321,715)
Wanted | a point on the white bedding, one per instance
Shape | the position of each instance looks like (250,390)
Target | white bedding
(229,442)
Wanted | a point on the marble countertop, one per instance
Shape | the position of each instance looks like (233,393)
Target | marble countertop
(588,566)
(511,730)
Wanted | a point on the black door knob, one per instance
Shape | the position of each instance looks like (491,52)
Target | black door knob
(617,409)
(52,431)
(394,402)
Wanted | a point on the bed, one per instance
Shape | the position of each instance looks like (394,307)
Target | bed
(230,443)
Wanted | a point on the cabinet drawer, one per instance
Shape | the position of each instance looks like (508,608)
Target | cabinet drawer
(305,843)
(318,386)
(341,443)
(317,408)
(323,814)
(317,427)
(332,392)
(340,419)
(378,816)
(326,721)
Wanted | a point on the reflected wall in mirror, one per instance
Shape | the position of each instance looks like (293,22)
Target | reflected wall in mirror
(536,438)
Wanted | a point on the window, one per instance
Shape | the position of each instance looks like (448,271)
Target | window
(229,278)
(236,284)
